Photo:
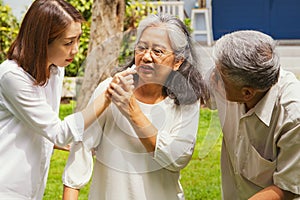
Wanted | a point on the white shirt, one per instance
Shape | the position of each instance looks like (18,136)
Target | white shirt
(123,169)
(29,126)
(261,147)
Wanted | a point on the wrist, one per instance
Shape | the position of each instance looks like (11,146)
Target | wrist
(139,120)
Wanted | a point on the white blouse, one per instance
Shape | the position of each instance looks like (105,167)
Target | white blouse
(29,126)
(123,168)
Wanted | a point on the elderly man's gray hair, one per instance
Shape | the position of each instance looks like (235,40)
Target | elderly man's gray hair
(248,58)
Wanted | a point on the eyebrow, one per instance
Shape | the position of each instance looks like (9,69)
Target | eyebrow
(72,37)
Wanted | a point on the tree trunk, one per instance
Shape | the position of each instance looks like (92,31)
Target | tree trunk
(105,41)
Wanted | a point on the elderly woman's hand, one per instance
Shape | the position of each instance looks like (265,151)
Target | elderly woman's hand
(121,91)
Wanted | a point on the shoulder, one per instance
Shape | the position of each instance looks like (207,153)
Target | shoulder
(11,74)
(187,109)
(7,66)
(289,85)
(289,95)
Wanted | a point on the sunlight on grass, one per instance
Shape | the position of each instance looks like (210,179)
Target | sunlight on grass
(201,178)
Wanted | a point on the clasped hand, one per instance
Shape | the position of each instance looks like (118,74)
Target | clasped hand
(121,91)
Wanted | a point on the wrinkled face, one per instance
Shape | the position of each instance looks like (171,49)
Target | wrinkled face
(63,49)
(154,57)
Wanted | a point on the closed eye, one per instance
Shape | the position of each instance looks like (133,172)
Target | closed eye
(69,43)
(157,51)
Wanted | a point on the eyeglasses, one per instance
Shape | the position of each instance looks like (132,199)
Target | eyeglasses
(155,52)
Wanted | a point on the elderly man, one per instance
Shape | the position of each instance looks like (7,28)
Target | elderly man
(259,109)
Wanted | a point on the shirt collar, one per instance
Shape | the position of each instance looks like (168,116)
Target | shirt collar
(265,106)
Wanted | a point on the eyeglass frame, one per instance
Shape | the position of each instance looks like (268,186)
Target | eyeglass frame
(155,53)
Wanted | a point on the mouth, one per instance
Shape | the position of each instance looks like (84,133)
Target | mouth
(69,60)
(146,67)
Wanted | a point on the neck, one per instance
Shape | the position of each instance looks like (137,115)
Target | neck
(150,93)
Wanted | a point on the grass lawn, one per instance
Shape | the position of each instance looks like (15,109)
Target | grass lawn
(200,179)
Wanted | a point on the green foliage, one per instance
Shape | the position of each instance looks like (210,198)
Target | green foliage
(127,46)
(85,8)
(187,22)
(9,27)
(135,12)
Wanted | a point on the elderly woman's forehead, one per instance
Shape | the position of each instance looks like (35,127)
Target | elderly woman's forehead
(158,34)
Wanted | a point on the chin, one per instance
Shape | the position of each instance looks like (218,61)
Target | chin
(64,64)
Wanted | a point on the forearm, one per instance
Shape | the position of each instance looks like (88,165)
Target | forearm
(145,130)
(65,148)
(95,109)
(70,193)
(272,193)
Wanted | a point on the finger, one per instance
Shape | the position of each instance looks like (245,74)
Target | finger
(116,90)
(116,98)
(108,92)
(126,84)
(128,77)
(115,79)
(128,72)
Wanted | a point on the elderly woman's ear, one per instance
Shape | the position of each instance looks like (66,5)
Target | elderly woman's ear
(178,62)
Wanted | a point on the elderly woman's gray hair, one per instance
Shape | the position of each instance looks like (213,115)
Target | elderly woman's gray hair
(185,85)
(248,58)
(176,30)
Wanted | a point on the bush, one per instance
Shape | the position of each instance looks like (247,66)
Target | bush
(9,27)
(134,13)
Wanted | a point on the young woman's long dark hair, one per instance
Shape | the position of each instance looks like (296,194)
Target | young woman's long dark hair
(43,23)
(186,85)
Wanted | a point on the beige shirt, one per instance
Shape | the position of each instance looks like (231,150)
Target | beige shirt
(261,147)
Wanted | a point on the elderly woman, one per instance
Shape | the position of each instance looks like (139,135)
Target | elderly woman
(148,134)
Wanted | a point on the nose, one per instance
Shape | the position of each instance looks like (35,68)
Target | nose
(147,57)
(75,48)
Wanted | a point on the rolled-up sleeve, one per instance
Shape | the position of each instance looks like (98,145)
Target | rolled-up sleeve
(174,149)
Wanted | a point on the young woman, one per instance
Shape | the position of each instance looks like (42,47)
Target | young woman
(147,135)
(30,92)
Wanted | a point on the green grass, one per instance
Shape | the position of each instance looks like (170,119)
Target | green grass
(200,179)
